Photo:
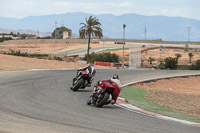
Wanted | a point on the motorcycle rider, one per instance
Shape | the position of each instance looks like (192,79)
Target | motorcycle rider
(91,72)
(115,82)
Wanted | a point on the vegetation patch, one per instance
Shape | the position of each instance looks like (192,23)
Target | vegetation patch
(136,97)
(38,56)
(104,57)
(196,65)
(5,39)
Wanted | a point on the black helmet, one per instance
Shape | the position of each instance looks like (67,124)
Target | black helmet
(115,76)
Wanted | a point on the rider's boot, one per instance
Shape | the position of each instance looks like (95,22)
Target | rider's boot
(90,100)
(88,85)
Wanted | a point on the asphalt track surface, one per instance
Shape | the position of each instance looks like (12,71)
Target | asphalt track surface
(42,102)
(82,52)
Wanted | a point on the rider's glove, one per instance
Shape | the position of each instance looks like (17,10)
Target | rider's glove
(99,82)
(79,69)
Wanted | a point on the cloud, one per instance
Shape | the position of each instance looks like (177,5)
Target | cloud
(92,6)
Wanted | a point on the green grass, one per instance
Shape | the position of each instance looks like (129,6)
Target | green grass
(67,51)
(114,49)
(27,47)
(136,97)
(74,50)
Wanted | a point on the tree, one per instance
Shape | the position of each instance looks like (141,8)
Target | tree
(190,56)
(178,56)
(150,60)
(90,29)
(196,66)
(171,63)
(18,34)
(59,32)
(11,33)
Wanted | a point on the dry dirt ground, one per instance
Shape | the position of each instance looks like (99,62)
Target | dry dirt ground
(63,47)
(157,55)
(16,63)
(184,60)
(178,94)
(47,48)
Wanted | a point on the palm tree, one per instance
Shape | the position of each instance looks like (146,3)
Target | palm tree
(190,56)
(90,29)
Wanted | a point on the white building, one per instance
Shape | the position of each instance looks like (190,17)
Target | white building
(6,35)
(65,35)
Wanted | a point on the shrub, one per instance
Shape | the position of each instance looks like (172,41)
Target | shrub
(196,66)
(18,53)
(5,39)
(171,63)
(105,57)
(161,65)
(57,58)
(150,60)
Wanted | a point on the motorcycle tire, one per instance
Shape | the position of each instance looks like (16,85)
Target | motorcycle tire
(78,85)
(102,101)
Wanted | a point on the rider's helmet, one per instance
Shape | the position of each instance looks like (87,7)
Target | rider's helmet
(91,64)
(115,76)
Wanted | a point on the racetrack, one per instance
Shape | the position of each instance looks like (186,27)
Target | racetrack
(41,101)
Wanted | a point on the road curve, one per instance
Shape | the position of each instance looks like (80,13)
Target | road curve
(41,101)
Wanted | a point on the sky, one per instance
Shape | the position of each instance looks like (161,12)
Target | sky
(171,8)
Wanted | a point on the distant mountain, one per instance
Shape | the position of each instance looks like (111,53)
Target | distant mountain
(41,34)
(167,28)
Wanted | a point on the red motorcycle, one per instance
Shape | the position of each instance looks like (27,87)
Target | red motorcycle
(82,80)
(102,96)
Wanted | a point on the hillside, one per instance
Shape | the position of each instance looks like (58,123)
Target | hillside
(166,28)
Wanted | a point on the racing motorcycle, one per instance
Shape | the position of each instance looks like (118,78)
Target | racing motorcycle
(81,80)
(101,97)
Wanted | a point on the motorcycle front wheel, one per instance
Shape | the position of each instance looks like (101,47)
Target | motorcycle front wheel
(102,100)
(78,85)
